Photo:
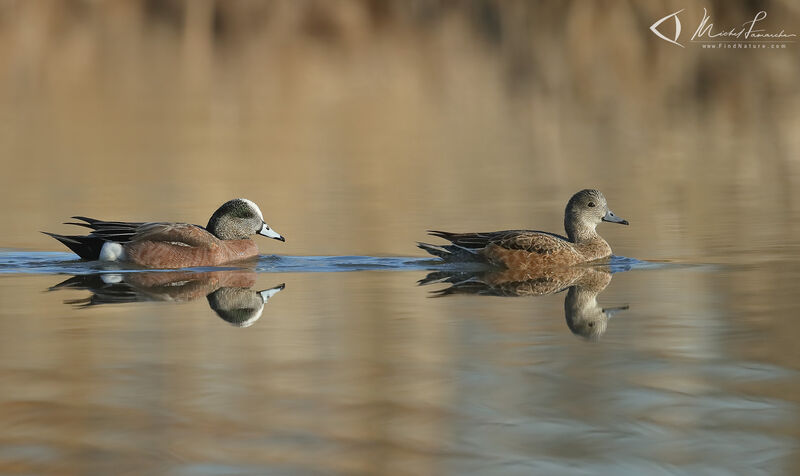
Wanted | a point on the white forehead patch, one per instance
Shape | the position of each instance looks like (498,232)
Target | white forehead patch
(254,207)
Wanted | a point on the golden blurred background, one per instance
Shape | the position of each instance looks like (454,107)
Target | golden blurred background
(356,125)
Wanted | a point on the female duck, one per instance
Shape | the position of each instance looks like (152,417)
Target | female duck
(528,248)
(225,239)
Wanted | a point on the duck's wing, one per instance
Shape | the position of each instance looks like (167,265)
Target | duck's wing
(119,231)
(469,246)
(176,233)
(464,247)
(473,241)
(125,232)
(89,246)
(527,240)
(538,242)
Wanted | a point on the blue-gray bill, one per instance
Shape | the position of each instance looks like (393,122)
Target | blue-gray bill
(270,233)
(610,217)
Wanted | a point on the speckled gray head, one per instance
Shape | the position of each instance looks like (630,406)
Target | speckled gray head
(238,219)
(585,210)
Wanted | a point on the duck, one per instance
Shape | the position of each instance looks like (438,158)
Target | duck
(536,249)
(225,239)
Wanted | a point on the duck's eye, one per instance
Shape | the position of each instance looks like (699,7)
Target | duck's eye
(591,204)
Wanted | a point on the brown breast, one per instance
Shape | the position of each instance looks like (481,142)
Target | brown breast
(522,259)
(594,249)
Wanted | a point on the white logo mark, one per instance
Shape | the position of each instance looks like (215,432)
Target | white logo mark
(654,28)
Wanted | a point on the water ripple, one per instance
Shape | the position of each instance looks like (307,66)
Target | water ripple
(49,262)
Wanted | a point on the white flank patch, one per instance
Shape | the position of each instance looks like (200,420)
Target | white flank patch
(112,251)
(254,207)
(111,278)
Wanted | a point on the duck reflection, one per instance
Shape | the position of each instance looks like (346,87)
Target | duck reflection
(585,317)
(229,292)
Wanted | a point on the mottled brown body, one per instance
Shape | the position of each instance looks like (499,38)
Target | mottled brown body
(533,250)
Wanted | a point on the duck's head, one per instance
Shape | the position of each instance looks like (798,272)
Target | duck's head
(585,210)
(241,307)
(239,219)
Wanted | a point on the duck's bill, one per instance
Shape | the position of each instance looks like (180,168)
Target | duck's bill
(268,293)
(270,233)
(610,217)
(610,311)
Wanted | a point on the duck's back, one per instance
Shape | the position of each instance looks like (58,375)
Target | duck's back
(510,248)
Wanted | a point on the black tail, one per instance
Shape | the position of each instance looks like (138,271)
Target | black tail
(452,253)
(450,277)
(435,250)
(461,282)
(102,292)
(87,247)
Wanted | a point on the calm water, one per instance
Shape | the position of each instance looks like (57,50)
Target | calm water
(356,126)
(367,372)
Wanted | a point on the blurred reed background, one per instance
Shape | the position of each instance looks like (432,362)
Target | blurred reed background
(356,125)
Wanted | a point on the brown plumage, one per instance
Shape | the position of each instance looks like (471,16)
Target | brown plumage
(180,245)
(225,239)
(536,249)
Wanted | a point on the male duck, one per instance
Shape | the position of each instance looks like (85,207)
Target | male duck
(528,248)
(225,239)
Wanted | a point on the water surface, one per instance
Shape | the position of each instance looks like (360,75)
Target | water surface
(367,372)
